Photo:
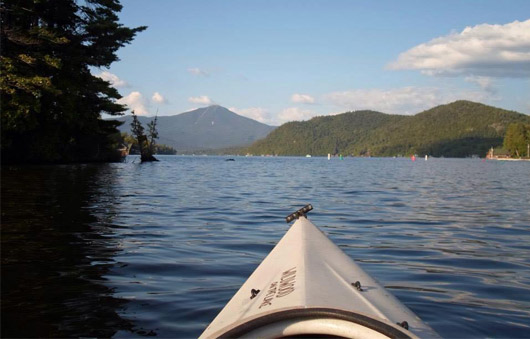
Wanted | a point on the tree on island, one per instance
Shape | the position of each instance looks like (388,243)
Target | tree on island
(51,103)
(132,144)
(152,134)
(517,139)
(146,143)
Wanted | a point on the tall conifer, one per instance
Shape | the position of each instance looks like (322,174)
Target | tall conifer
(51,103)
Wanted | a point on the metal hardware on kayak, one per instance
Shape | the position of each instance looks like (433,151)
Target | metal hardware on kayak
(307,291)
(357,285)
(253,293)
(404,324)
(300,213)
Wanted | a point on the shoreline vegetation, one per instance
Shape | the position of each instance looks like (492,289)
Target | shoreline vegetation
(52,104)
(460,129)
(417,157)
(468,129)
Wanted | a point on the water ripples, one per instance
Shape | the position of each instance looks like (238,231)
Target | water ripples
(170,243)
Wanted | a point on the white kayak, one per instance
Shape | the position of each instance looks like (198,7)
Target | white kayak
(307,286)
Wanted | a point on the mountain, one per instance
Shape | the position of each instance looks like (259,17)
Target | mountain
(458,129)
(211,127)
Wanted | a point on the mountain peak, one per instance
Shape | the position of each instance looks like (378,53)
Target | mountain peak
(208,127)
(214,107)
(210,109)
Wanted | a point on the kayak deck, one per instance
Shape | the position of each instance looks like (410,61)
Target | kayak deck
(307,285)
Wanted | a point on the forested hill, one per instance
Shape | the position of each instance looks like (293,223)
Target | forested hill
(459,129)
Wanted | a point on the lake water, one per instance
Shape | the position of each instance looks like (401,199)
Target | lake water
(151,249)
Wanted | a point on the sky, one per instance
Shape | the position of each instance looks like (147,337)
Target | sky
(282,60)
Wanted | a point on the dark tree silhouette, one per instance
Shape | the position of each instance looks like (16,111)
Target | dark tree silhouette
(146,143)
(51,103)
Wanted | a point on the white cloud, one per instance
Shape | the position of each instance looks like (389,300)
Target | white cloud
(482,50)
(405,100)
(158,98)
(257,113)
(486,83)
(201,100)
(198,72)
(114,80)
(302,99)
(294,114)
(136,102)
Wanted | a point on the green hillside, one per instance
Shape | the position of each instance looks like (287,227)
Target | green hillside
(459,129)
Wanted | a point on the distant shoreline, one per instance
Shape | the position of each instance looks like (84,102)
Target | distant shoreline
(509,159)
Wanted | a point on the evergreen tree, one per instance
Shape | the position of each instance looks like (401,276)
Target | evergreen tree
(138,132)
(146,143)
(153,134)
(517,139)
(132,144)
(51,103)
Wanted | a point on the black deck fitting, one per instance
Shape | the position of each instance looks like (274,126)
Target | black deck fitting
(300,213)
(357,285)
(253,293)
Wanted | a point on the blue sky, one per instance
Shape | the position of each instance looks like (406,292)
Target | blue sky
(276,61)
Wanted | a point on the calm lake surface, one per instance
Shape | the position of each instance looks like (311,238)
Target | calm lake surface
(132,250)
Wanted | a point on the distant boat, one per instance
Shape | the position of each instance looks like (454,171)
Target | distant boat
(308,156)
(426,157)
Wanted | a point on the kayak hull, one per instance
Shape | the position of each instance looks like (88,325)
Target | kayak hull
(307,285)
(314,320)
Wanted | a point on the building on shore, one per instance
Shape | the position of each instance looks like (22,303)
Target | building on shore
(498,153)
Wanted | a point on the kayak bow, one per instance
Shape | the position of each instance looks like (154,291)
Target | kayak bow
(308,286)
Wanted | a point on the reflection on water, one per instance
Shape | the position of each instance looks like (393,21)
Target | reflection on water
(57,245)
(158,249)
